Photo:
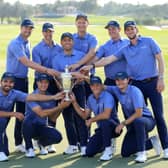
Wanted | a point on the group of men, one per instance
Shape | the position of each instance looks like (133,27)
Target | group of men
(134,70)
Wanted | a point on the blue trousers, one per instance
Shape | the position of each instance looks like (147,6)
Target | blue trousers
(149,91)
(45,135)
(76,130)
(22,85)
(102,137)
(136,138)
(3,137)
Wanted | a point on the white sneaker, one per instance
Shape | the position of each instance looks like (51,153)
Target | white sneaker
(107,154)
(43,150)
(165,153)
(156,145)
(71,149)
(83,151)
(3,157)
(30,153)
(113,145)
(20,148)
(51,149)
(141,157)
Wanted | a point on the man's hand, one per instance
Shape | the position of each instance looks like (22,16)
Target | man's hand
(86,68)
(73,98)
(52,72)
(160,85)
(19,116)
(119,128)
(64,104)
(59,96)
(88,122)
(73,67)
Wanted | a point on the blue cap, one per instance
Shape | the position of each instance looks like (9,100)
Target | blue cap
(27,23)
(112,23)
(67,34)
(42,76)
(79,16)
(129,24)
(48,26)
(8,75)
(121,75)
(95,80)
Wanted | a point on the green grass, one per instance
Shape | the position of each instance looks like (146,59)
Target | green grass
(58,160)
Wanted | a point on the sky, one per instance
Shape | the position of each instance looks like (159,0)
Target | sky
(101,2)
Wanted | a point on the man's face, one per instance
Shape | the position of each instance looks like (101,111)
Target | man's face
(67,43)
(26,31)
(131,32)
(7,84)
(43,85)
(122,83)
(81,25)
(114,32)
(48,35)
(96,88)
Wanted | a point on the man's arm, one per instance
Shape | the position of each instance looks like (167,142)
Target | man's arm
(5,114)
(24,60)
(161,67)
(48,112)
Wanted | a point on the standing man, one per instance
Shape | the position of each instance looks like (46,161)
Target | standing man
(102,104)
(18,61)
(143,56)
(74,124)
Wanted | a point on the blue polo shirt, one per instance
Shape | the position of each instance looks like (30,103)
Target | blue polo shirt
(104,101)
(130,100)
(110,48)
(141,58)
(7,101)
(61,60)
(84,43)
(42,53)
(32,116)
(17,48)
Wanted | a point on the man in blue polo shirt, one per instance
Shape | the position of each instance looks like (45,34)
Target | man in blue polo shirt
(76,129)
(8,96)
(146,68)
(138,119)
(35,124)
(103,106)
(18,61)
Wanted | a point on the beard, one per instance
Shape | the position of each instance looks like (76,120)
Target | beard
(132,38)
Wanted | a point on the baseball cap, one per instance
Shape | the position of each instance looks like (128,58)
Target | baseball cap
(79,16)
(121,75)
(43,76)
(95,80)
(48,26)
(67,34)
(129,23)
(112,23)
(8,75)
(27,23)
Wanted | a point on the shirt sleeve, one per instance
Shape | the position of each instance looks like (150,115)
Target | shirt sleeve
(120,53)
(109,102)
(88,105)
(100,52)
(110,89)
(137,98)
(36,55)
(154,47)
(18,50)
(20,96)
(32,105)
(93,42)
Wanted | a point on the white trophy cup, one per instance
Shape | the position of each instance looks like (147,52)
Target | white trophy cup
(66,83)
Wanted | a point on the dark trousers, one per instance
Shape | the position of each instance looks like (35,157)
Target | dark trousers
(22,85)
(102,138)
(136,138)
(76,130)
(3,137)
(45,135)
(88,91)
(149,91)
(111,82)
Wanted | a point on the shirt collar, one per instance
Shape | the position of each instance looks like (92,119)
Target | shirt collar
(84,37)
(45,44)
(126,91)
(72,54)
(139,39)
(1,93)
(100,96)
(21,39)
(119,40)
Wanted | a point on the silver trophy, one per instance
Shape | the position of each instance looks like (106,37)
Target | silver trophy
(67,83)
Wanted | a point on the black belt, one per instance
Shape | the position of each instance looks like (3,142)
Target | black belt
(146,80)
